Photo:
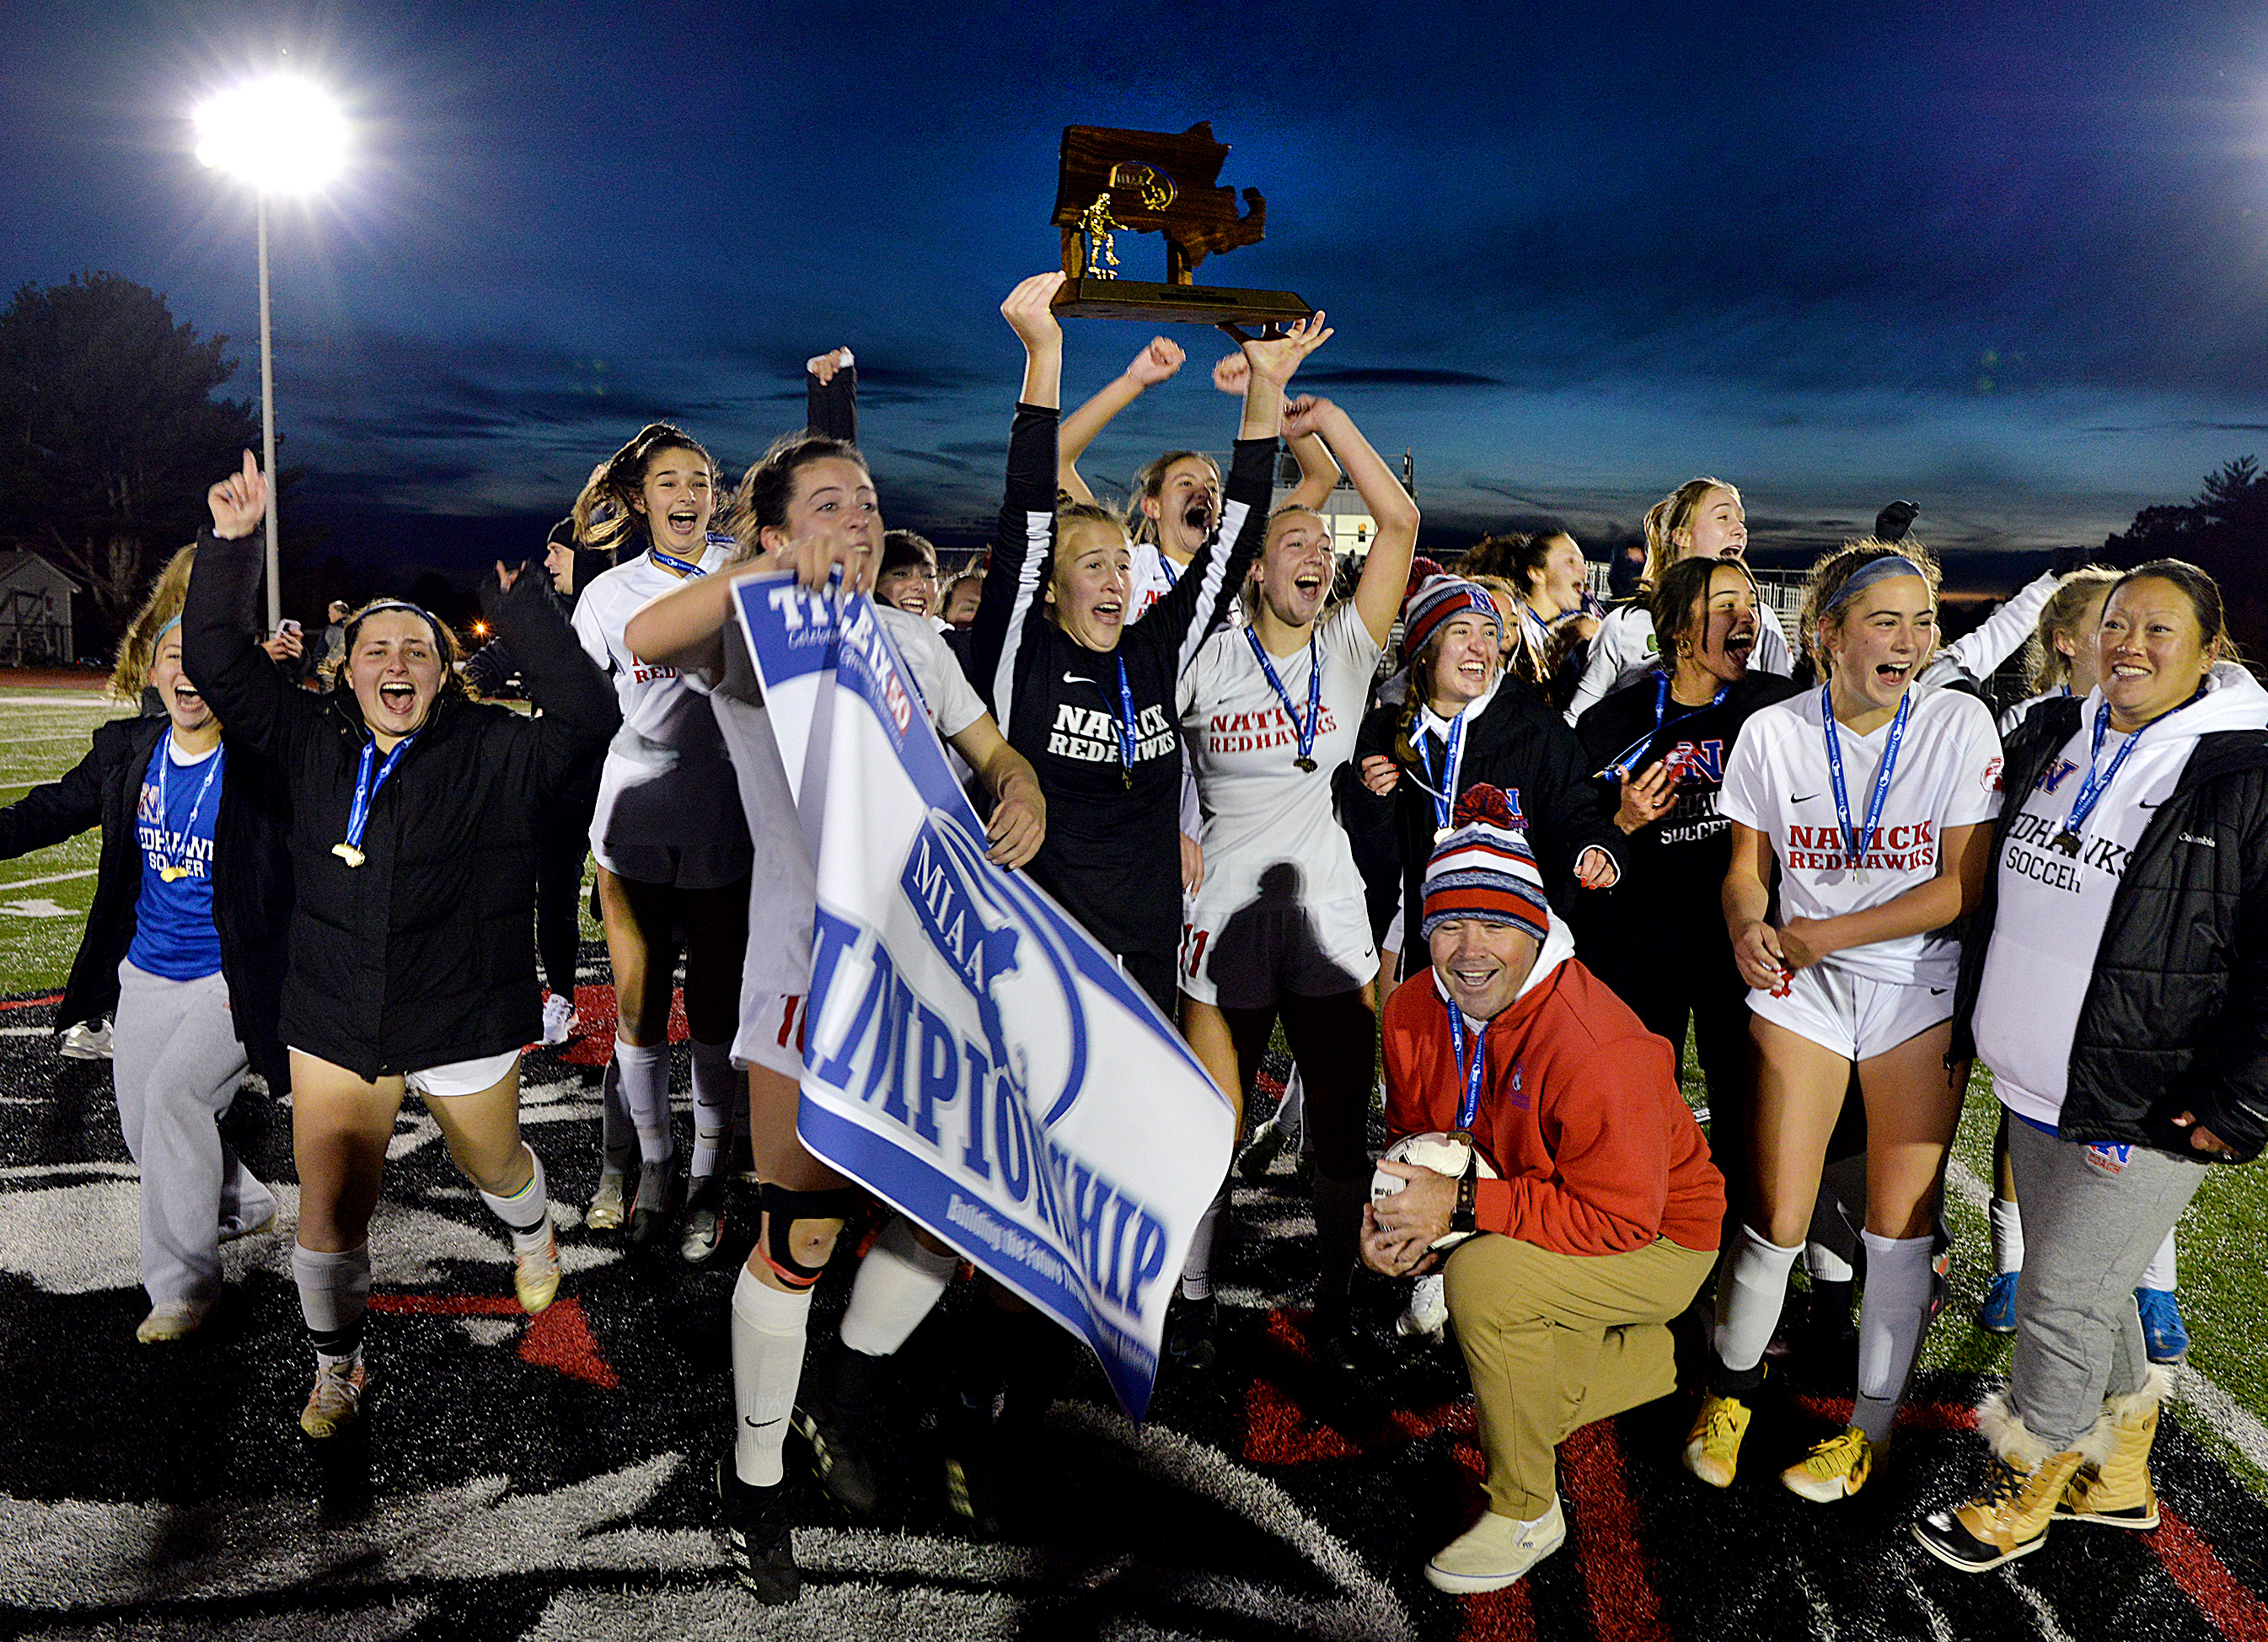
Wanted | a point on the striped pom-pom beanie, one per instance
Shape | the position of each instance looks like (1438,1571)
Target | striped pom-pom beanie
(1484,869)
(1438,597)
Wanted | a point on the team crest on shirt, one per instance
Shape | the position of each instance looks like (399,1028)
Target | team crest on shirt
(2109,1157)
(148,808)
(1697,764)
(2054,775)
(1992,776)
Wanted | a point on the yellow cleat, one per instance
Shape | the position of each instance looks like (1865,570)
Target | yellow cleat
(1712,1447)
(335,1402)
(608,1207)
(535,1273)
(1834,1469)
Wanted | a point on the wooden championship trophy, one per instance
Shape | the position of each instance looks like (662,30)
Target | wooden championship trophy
(1155,180)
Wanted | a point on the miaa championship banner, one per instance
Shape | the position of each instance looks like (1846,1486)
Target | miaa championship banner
(970,1055)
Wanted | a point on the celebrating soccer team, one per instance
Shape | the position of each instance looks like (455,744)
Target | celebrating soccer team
(1527,840)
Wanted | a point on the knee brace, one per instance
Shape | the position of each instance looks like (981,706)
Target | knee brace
(783,1209)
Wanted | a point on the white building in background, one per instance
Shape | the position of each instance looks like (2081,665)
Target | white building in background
(35,612)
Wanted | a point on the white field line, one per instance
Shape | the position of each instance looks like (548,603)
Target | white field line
(2236,1425)
(2049,1628)
(58,878)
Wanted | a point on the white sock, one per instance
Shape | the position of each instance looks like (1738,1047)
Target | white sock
(1196,1271)
(1825,1265)
(333,1290)
(716,1085)
(645,1091)
(2163,1272)
(1891,1316)
(768,1333)
(1750,1297)
(527,1212)
(899,1284)
(617,1134)
(2008,1235)
(1291,1111)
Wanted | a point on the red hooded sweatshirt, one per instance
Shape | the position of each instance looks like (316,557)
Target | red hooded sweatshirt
(1579,1114)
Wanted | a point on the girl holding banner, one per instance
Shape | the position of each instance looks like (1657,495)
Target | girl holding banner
(1279,927)
(809,505)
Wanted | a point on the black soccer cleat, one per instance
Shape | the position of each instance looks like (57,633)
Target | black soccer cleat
(835,1428)
(756,1536)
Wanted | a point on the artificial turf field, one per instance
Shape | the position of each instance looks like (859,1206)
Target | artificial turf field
(548,1478)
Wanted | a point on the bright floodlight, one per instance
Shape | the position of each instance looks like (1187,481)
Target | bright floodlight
(282,135)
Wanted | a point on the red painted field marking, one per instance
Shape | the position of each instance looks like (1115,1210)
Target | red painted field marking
(1618,1574)
(32,1003)
(594,1043)
(558,1337)
(2235,1612)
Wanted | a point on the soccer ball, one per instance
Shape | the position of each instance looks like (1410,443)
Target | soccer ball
(1436,1152)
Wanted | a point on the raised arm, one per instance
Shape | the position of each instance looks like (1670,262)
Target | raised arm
(1023,542)
(1319,472)
(1978,654)
(830,393)
(578,713)
(1155,364)
(1385,572)
(249,693)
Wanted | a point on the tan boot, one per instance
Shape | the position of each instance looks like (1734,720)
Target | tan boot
(2118,1492)
(2011,1517)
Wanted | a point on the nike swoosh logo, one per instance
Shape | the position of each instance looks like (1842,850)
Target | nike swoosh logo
(1937,991)
(2148,807)
(1074,678)
(759,1424)
(1805,798)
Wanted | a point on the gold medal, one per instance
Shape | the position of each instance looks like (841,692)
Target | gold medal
(172,874)
(1441,834)
(348,853)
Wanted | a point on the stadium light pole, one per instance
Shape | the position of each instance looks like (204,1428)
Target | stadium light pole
(281,135)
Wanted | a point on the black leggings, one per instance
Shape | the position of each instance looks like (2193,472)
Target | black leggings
(1334,1043)
(563,843)
(1682,980)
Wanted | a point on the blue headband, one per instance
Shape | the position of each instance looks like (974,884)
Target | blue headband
(162,631)
(427,616)
(1868,574)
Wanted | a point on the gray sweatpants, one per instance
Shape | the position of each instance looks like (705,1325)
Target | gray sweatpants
(2094,1216)
(177,1062)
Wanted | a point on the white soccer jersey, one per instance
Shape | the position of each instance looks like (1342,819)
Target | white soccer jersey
(1948,773)
(1257,808)
(783,889)
(1626,646)
(666,782)
(2053,906)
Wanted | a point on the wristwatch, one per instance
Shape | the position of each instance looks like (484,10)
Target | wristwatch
(1461,1217)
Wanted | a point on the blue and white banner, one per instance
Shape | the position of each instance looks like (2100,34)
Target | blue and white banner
(972,1056)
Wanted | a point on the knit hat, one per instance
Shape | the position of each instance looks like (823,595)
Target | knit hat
(1484,869)
(1437,600)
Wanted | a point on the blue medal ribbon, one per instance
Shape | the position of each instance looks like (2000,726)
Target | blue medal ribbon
(2091,789)
(680,566)
(1624,764)
(1468,1103)
(1125,726)
(1856,844)
(1306,760)
(1444,784)
(176,868)
(365,793)
(1166,569)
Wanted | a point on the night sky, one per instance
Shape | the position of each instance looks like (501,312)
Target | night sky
(2011,263)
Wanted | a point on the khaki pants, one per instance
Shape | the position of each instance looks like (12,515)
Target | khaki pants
(1553,1342)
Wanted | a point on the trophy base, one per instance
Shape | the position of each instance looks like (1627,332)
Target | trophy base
(1186,305)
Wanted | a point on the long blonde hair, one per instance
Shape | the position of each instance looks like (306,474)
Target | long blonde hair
(138,649)
(2045,666)
(1666,518)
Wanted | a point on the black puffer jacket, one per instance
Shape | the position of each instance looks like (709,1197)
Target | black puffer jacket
(2175,1017)
(425,954)
(1517,742)
(251,878)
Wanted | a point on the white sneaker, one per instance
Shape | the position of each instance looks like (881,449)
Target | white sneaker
(172,1319)
(1496,1551)
(559,1022)
(88,1041)
(1427,1314)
